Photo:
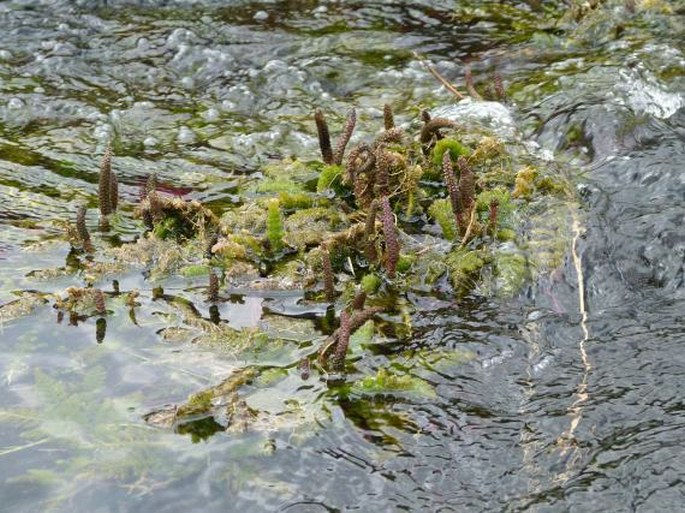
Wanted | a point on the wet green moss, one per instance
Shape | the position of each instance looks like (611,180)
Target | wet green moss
(464,268)
(441,211)
(388,382)
(274,226)
(455,148)
(511,270)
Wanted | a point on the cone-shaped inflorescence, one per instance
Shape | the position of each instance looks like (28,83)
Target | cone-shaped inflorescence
(451,184)
(467,185)
(358,301)
(104,186)
(394,135)
(328,283)
(344,332)
(324,137)
(492,217)
(370,233)
(431,131)
(382,171)
(392,243)
(99,300)
(500,93)
(212,240)
(388,118)
(345,137)
(100,330)
(356,320)
(150,185)
(108,189)
(213,289)
(82,230)
(468,78)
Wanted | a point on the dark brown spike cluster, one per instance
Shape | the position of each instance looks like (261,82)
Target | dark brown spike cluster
(82,230)
(393,135)
(213,288)
(304,368)
(345,137)
(467,185)
(392,243)
(382,171)
(388,118)
(108,189)
(99,300)
(431,131)
(492,217)
(100,330)
(324,137)
(470,88)
(340,339)
(212,240)
(150,185)
(358,301)
(104,186)
(500,93)
(370,233)
(451,184)
(328,283)
(343,341)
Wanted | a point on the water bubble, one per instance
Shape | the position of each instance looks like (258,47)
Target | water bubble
(15,104)
(185,135)
(150,142)
(211,114)
(187,82)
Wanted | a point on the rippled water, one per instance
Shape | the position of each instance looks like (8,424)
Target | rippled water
(573,399)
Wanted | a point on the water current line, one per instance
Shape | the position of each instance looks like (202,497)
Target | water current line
(567,440)
(531,445)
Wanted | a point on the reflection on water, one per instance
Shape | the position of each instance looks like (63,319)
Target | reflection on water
(533,409)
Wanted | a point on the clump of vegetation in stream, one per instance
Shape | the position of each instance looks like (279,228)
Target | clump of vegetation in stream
(433,213)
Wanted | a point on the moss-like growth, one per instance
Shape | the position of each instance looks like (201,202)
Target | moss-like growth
(464,267)
(455,148)
(370,283)
(174,218)
(330,178)
(387,382)
(524,186)
(295,200)
(441,211)
(198,404)
(405,263)
(274,226)
(511,269)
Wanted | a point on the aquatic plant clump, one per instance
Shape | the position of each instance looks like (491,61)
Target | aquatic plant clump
(437,211)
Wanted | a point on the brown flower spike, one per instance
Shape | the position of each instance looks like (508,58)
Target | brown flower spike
(324,137)
(392,244)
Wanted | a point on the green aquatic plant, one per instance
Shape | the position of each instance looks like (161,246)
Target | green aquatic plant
(274,226)
(387,382)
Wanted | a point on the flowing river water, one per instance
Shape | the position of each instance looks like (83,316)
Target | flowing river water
(572,397)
